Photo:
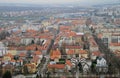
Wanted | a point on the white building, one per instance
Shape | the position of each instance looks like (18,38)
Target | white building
(3,49)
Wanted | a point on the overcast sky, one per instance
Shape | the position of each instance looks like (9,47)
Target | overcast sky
(56,1)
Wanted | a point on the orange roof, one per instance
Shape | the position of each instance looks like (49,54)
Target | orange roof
(83,52)
(9,54)
(31,31)
(44,36)
(96,53)
(68,62)
(70,52)
(71,33)
(55,54)
(114,44)
(58,66)
(22,54)
(31,47)
(12,60)
(37,53)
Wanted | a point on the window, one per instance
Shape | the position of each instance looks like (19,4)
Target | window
(114,40)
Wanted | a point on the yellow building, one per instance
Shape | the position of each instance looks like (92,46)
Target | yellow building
(31,68)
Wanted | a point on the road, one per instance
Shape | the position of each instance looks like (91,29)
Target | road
(47,57)
(44,68)
(77,72)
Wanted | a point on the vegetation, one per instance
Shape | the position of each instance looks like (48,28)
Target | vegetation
(25,70)
(3,35)
(80,67)
(7,74)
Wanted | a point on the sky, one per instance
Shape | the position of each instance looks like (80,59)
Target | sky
(57,1)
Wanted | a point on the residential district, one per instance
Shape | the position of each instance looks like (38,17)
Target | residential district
(61,43)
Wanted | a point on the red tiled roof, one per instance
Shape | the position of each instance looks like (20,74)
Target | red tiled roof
(55,54)
(62,28)
(96,53)
(68,62)
(58,66)
(37,53)
(70,52)
(83,52)
(22,54)
(31,47)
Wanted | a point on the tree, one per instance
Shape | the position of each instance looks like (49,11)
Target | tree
(29,56)
(86,45)
(63,51)
(37,76)
(94,62)
(36,49)
(25,69)
(16,58)
(88,22)
(93,65)
(7,74)
(32,42)
(48,74)
(80,67)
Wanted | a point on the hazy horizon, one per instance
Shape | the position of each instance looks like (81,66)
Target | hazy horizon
(59,1)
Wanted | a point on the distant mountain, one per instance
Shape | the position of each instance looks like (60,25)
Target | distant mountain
(74,4)
(108,4)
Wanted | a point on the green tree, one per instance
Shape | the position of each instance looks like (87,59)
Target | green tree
(29,56)
(7,74)
(37,76)
(25,69)
(16,57)
(32,42)
(80,67)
